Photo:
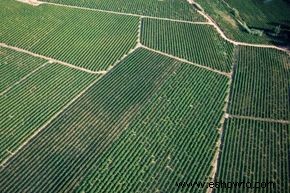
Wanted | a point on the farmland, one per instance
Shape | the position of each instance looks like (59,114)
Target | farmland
(142,96)
(14,66)
(174,9)
(255,151)
(56,35)
(40,99)
(188,41)
(117,103)
(261,83)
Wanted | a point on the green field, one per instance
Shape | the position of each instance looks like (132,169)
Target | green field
(155,96)
(174,9)
(29,104)
(196,43)
(152,119)
(261,84)
(53,32)
(14,66)
(255,151)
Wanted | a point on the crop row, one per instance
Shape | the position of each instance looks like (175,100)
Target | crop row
(172,139)
(197,43)
(89,39)
(14,66)
(174,9)
(255,151)
(29,104)
(261,84)
(147,105)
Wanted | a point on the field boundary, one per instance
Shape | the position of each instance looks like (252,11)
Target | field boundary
(2,164)
(222,34)
(52,60)
(219,143)
(123,13)
(259,119)
(186,61)
(210,21)
(24,78)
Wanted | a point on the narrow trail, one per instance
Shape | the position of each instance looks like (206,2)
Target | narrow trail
(210,21)
(188,62)
(121,13)
(2,164)
(52,60)
(213,23)
(219,143)
(24,78)
(259,119)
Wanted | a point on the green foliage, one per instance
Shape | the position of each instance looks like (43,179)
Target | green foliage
(29,104)
(255,151)
(261,14)
(150,116)
(230,20)
(196,43)
(174,9)
(277,30)
(14,66)
(89,39)
(260,85)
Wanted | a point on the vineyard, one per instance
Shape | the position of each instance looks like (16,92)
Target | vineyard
(196,43)
(70,147)
(56,35)
(141,96)
(14,66)
(255,151)
(174,9)
(261,84)
(40,99)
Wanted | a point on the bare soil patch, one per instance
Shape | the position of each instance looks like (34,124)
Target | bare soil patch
(30,2)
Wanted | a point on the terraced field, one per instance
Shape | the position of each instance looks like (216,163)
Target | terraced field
(140,96)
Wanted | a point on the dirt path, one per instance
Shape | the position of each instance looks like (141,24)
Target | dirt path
(213,23)
(2,164)
(208,18)
(24,78)
(121,13)
(188,62)
(52,60)
(46,124)
(215,161)
(259,119)
(219,143)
